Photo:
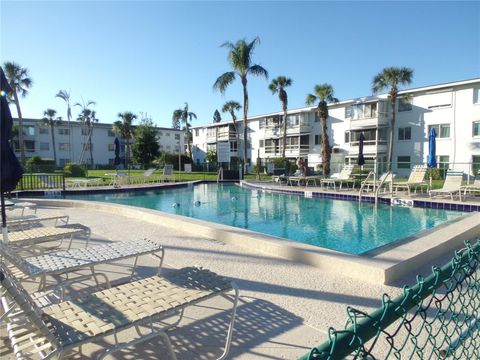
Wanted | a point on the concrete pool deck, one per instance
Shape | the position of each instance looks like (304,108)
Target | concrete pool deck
(286,307)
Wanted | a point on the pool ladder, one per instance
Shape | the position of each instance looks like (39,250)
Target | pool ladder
(388,177)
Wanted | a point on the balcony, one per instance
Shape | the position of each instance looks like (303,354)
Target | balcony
(226,135)
(374,120)
(275,130)
(369,147)
(290,150)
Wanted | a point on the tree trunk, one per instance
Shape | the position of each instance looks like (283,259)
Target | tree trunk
(392,134)
(52,130)
(284,140)
(127,152)
(245,132)
(20,127)
(326,151)
(237,135)
(189,144)
(90,145)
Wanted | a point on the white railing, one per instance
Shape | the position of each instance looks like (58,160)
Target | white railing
(292,150)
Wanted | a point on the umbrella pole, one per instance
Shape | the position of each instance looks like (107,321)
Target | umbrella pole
(4,219)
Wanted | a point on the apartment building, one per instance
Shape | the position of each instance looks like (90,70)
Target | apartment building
(72,145)
(453,109)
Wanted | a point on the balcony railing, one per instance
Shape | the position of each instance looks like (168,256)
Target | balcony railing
(290,150)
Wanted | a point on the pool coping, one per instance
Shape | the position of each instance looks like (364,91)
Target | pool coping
(385,266)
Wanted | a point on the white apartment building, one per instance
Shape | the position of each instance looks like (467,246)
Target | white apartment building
(71,139)
(453,109)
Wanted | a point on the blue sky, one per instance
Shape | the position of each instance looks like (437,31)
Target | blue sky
(153,56)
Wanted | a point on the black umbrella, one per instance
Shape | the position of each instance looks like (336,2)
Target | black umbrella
(10,169)
(117,152)
(361,158)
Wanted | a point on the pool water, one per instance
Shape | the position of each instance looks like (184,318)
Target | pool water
(346,226)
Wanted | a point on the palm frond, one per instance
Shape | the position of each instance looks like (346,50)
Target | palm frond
(310,99)
(258,70)
(224,81)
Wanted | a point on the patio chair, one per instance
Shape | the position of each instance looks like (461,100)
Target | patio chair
(22,205)
(451,186)
(305,179)
(167,173)
(471,188)
(64,262)
(82,183)
(147,175)
(26,221)
(37,235)
(415,180)
(343,177)
(54,331)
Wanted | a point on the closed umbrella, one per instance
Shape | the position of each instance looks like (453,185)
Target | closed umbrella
(361,158)
(10,169)
(432,148)
(117,152)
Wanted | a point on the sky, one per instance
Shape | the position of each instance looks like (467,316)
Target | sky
(151,57)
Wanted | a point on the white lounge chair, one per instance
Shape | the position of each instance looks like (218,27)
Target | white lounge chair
(26,221)
(38,235)
(62,262)
(471,188)
(415,180)
(451,186)
(167,173)
(53,331)
(343,177)
(145,177)
(82,183)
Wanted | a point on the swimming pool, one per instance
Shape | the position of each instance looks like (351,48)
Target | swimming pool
(345,226)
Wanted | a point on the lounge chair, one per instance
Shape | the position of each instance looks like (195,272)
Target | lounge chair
(471,188)
(343,177)
(451,186)
(415,180)
(26,221)
(167,173)
(305,179)
(62,262)
(37,235)
(23,205)
(147,175)
(53,331)
(81,183)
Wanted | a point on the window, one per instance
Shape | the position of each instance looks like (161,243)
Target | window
(476,128)
(404,104)
(177,136)
(403,162)
(405,133)
(476,95)
(85,131)
(293,120)
(261,143)
(29,145)
(475,164)
(63,131)
(63,162)
(43,131)
(86,146)
(348,112)
(28,130)
(443,161)
(442,130)
(111,147)
(347,137)
(44,146)
(64,146)
(317,139)
(361,111)
(317,119)
(197,132)
(212,132)
(110,133)
(233,146)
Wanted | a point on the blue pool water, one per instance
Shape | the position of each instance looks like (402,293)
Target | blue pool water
(346,226)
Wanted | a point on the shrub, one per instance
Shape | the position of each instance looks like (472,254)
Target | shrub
(37,164)
(74,170)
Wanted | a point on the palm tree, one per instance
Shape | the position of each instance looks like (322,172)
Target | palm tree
(182,116)
(278,85)
(20,82)
(124,126)
(65,96)
(49,120)
(323,94)
(391,77)
(87,117)
(240,58)
(230,107)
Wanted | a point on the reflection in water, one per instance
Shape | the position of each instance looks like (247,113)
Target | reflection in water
(347,226)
